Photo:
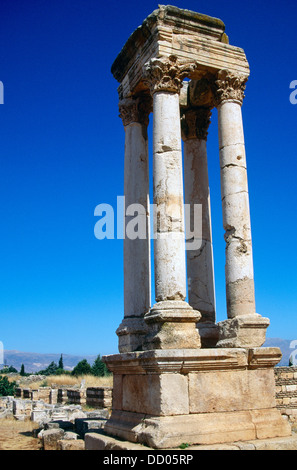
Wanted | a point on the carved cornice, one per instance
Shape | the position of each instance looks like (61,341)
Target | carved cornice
(135,110)
(229,87)
(182,361)
(195,123)
(166,74)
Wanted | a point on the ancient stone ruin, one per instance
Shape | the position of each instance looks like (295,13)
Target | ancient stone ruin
(180,376)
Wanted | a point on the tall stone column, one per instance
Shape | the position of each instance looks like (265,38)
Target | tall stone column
(244,327)
(200,270)
(171,320)
(137,272)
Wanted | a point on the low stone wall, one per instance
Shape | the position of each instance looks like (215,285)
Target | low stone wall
(43,393)
(99,397)
(286,391)
(95,397)
(62,395)
(77,397)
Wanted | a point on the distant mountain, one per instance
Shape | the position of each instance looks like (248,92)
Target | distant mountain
(34,362)
(284,345)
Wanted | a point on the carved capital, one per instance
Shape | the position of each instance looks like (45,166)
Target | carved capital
(166,74)
(195,123)
(229,86)
(135,110)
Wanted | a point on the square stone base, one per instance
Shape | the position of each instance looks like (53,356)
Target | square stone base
(101,441)
(163,398)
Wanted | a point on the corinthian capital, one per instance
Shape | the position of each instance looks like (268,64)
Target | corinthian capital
(195,123)
(166,74)
(229,86)
(136,110)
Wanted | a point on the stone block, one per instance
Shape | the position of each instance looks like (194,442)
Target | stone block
(40,416)
(22,409)
(51,437)
(244,331)
(200,428)
(103,442)
(69,435)
(82,426)
(154,394)
(71,444)
(231,390)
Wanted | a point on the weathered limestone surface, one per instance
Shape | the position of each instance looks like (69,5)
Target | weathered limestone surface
(175,382)
(104,442)
(244,327)
(166,397)
(192,37)
(170,275)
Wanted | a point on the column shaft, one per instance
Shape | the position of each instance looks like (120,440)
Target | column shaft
(200,271)
(169,245)
(171,321)
(137,272)
(136,251)
(236,213)
(244,328)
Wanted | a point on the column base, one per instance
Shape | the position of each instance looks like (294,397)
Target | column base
(199,429)
(163,398)
(172,325)
(101,441)
(244,331)
(131,333)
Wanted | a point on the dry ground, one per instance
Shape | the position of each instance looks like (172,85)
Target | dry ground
(17,435)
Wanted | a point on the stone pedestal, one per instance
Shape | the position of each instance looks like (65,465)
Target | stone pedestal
(163,398)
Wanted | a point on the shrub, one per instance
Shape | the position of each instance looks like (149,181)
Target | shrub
(6,388)
(8,370)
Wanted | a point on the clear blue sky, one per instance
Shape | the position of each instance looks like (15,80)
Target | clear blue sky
(61,154)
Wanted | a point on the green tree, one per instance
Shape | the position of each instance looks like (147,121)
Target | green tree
(82,368)
(61,364)
(99,368)
(50,370)
(6,388)
(22,371)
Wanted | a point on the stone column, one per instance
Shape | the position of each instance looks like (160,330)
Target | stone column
(171,320)
(137,272)
(244,327)
(200,271)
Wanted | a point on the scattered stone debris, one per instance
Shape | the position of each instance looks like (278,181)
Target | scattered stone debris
(61,426)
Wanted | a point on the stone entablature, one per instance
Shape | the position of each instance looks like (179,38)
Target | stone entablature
(195,39)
